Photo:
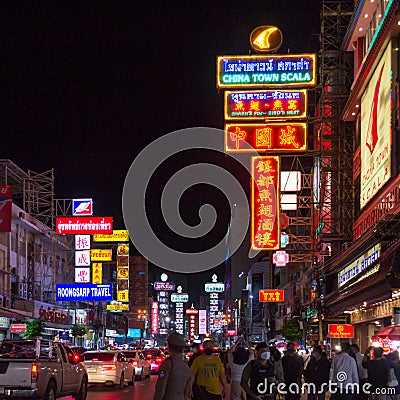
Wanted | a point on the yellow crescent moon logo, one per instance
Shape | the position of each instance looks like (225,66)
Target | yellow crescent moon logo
(266,39)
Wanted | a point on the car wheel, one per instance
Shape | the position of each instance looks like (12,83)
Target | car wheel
(50,392)
(83,390)
(120,385)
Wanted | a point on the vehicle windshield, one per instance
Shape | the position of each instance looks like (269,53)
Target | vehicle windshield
(24,349)
(130,354)
(152,352)
(98,356)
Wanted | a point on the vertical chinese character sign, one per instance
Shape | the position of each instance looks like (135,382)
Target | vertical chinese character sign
(5,208)
(123,273)
(265,230)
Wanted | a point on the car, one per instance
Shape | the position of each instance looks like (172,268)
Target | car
(156,356)
(109,368)
(141,364)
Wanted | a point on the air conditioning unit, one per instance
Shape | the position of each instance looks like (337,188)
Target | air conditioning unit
(23,291)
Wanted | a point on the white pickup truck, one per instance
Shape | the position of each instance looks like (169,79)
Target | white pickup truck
(40,369)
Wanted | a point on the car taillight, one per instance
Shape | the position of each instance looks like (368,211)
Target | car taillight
(158,359)
(34,373)
(109,367)
(148,356)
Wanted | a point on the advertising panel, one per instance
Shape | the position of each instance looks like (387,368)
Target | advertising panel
(82,242)
(359,265)
(340,331)
(115,236)
(97,273)
(82,275)
(82,258)
(83,225)
(123,296)
(101,254)
(154,317)
(265,227)
(82,292)
(192,326)
(202,322)
(169,286)
(265,104)
(231,332)
(179,297)
(271,295)
(214,287)
(5,208)
(82,207)
(376,131)
(118,306)
(276,136)
(18,328)
(259,71)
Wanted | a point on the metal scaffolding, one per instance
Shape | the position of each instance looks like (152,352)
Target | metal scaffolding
(334,138)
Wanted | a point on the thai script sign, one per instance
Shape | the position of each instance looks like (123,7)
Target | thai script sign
(179,297)
(115,236)
(265,104)
(265,229)
(266,71)
(170,286)
(82,292)
(214,287)
(101,254)
(278,137)
(154,317)
(359,265)
(83,225)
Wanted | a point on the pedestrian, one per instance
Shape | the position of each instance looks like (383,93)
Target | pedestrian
(378,371)
(344,373)
(174,376)
(362,372)
(239,355)
(277,361)
(392,361)
(292,365)
(195,349)
(317,374)
(258,375)
(209,374)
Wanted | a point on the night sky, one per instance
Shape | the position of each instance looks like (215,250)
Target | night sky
(85,89)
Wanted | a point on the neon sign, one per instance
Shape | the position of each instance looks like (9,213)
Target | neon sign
(266,137)
(265,228)
(266,71)
(266,39)
(271,296)
(266,104)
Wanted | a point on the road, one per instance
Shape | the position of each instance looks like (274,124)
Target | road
(142,390)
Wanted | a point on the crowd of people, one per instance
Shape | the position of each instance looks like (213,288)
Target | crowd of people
(263,373)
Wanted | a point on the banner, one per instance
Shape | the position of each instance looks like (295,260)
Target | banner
(115,236)
(83,225)
(5,208)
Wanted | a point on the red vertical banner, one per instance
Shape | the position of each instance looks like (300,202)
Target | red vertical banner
(265,225)
(154,317)
(5,208)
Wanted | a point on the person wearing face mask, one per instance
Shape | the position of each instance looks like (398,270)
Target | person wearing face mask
(258,375)
(292,365)
(209,374)
(317,372)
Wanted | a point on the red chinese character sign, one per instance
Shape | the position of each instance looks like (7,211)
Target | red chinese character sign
(265,229)
(265,104)
(271,295)
(279,137)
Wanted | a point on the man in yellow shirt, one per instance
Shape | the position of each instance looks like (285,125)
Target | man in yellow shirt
(209,373)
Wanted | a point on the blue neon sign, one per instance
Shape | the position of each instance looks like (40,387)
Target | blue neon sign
(83,292)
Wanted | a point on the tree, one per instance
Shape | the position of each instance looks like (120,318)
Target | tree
(78,331)
(34,329)
(291,330)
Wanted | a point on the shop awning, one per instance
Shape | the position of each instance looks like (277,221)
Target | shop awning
(10,314)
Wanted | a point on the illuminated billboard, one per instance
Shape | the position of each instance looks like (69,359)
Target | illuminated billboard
(265,227)
(278,137)
(115,236)
(256,71)
(376,132)
(265,104)
(97,273)
(83,292)
(271,295)
(101,254)
(83,225)
(266,38)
